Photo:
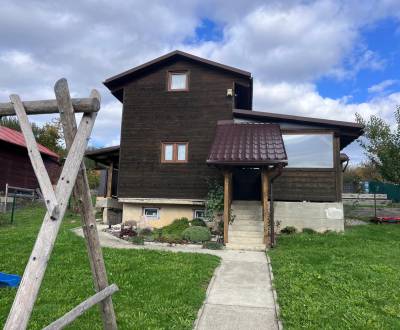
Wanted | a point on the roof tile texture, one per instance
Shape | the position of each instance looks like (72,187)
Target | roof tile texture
(11,136)
(249,143)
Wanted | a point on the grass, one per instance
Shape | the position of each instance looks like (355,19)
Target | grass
(339,281)
(158,290)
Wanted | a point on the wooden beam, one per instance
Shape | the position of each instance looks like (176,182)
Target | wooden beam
(82,195)
(227,189)
(50,106)
(265,204)
(109,180)
(36,159)
(36,267)
(77,311)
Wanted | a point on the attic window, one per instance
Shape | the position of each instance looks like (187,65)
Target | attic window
(174,152)
(178,81)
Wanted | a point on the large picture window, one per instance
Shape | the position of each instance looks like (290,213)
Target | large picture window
(309,150)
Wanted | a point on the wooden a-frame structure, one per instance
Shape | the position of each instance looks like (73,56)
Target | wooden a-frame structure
(72,179)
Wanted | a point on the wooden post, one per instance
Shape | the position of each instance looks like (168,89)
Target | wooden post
(265,204)
(82,195)
(50,106)
(109,180)
(77,311)
(37,263)
(227,206)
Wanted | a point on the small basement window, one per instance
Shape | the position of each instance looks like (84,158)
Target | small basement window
(199,214)
(151,213)
(178,81)
(174,152)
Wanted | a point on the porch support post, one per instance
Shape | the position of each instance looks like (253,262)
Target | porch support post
(265,203)
(109,179)
(227,201)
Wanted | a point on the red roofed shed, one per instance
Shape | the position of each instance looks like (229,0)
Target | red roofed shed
(15,165)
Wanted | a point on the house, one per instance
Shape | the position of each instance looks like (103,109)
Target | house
(187,120)
(15,166)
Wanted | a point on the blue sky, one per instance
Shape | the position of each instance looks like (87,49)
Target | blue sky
(322,58)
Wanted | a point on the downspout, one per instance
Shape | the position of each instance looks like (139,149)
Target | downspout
(271,206)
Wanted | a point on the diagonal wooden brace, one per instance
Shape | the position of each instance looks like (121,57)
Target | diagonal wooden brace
(36,159)
(82,194)
(36,267)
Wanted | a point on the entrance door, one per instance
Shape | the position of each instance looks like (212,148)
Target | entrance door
(246,184)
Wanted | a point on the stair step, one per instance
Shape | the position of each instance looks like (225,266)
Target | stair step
(247,247)
(248,226)
(246,240)
(243,233)
(251,217)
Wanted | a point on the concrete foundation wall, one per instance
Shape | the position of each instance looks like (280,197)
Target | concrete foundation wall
(318,216)
(168,213)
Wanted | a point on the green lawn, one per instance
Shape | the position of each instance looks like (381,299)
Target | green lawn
(158,290)
(339,281)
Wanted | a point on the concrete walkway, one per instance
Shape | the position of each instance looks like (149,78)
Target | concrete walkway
(240,294)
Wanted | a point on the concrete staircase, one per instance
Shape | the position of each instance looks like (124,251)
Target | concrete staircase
(246,232)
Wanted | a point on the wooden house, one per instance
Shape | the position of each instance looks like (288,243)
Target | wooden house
(15,167)
(187,120)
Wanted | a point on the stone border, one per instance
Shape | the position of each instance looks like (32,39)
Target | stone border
(277,308)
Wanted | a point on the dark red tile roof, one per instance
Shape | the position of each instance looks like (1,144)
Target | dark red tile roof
(247,144)
(11,136)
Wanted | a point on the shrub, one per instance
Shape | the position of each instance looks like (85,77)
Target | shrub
(172,231)
(308,231)
(137,240)
(196,234)
(198,222)
(146,232)
(213,245)
(127,232)
(289,230)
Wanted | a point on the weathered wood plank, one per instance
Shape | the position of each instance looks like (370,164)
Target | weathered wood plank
(50,106)
(227,189)
(109,180)
(36,159)
(82,195)
(33,275)
(265,208)
(77,311)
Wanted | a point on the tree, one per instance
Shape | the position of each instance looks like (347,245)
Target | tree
(381,144)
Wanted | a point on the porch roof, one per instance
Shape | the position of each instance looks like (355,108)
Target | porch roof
(247,144)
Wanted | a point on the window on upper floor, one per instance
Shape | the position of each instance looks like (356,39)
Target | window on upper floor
(178,81)
(174,152)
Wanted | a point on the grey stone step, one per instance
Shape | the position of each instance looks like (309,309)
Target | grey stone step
(247,247)
(245,222)
(245,240)
(242,225)
(244,233)
(251,217)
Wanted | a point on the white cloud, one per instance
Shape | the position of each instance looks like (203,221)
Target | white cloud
(287,45)
(382,86)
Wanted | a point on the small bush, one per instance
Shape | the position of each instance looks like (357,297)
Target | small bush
(198,222)
(127,232)
(172,231)
(213,245)
(137,240)
(196,234)
(308,231)
(289,230)
(146,232)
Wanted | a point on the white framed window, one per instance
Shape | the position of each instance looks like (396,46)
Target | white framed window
(151,213)
(199,214)
(178,81)
(174,152)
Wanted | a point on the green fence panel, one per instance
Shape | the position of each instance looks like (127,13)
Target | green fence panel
(392,190)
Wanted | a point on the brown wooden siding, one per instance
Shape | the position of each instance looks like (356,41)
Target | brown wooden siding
(152,115)
(306,185)
(16,168)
